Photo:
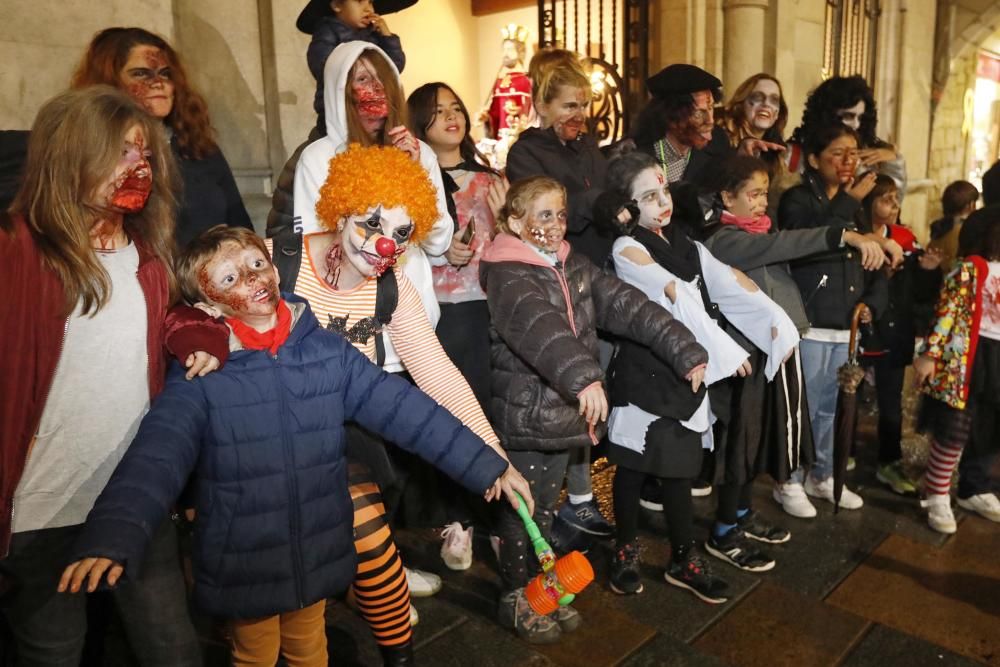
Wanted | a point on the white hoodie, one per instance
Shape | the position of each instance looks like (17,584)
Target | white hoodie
(314,165)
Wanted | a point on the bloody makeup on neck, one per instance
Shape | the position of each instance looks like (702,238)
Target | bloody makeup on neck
(147,78)
(368,96)
(240,281)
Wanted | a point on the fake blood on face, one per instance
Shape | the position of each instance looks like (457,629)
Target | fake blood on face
(240,280)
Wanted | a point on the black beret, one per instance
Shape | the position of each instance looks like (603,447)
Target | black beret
(681,78)
(317,9)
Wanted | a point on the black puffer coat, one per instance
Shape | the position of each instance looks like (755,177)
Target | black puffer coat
(544,340)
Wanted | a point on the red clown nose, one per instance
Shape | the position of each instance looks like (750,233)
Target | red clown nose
(385,247)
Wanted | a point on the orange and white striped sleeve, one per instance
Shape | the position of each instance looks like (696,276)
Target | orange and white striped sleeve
(421,353)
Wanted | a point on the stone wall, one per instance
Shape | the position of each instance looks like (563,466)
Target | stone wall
(948,145)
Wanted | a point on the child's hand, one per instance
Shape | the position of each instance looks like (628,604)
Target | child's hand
(931,259)
(458,253)
(74,574)
(404,141)
(497,194)
(696,377)
(894,251)
(200,364)
(509,482)
(379,25)
(923,368)
(754,147)
(860,187)
(744,369)
(872,256)
(593,403)
(866,315)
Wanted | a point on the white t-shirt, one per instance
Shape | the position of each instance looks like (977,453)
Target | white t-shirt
(989,326)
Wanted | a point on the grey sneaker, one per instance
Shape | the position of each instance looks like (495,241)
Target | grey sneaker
(515,612)
(569,619)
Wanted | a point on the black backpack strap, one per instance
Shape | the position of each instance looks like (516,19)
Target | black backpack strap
(287,257)
(386,298)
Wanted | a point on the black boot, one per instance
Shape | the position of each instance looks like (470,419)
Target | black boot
(400,655)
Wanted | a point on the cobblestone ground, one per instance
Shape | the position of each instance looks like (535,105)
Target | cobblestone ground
(875,587)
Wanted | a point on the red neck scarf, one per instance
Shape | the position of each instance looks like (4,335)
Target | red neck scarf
(269,340)
(759,225)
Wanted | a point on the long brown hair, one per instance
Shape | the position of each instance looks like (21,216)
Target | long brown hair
(733,118)
(422,107)
(394,96)
(103,62)
(74,147)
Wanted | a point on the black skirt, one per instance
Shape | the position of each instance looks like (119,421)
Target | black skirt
(672,451)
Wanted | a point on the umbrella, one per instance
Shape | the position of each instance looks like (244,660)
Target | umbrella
(849,377)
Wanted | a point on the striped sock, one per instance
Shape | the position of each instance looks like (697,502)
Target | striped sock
(380,582)
(940,467)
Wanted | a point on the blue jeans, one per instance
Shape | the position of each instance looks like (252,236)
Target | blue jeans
(50,627)
(820,362)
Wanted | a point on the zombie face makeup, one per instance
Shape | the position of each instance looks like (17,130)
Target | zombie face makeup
(567,113)
(544,223)
(750,200)
(837,162)
(130,184)
(851,117)
(885,208)
(762,105)
(368,96)
(240,281)
(696,130)
(356,14)
(652,194)
(146,77)
(447,129)
(372,242)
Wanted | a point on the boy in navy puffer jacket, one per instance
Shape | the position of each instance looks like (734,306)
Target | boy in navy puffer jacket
(265,438)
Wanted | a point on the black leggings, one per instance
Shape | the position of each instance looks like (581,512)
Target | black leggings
(733,497)
(677,506)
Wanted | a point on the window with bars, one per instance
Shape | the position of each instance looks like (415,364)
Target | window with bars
(850,38)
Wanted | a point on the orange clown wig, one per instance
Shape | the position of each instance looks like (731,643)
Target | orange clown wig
(363,178)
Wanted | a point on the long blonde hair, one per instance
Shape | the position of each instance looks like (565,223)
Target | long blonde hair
(74,148)
(393,94)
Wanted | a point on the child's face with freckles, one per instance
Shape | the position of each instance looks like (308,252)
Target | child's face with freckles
(544,223)
(750,199)
(240,281)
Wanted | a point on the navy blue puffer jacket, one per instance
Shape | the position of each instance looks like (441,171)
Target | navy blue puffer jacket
(265,439)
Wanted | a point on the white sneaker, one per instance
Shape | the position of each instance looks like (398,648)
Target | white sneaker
(422,584)
(414,616)
(939,514)
(848,499)
(985,505)
(793,500)
(456,552)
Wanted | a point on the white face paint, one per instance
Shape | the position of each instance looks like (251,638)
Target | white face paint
(373,241)
(762,105)
(851,117)
(652,194)
(544,223)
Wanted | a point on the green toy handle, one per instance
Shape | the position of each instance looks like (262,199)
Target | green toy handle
(546,556)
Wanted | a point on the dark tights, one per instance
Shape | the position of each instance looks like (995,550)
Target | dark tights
(733,497)
(677,507)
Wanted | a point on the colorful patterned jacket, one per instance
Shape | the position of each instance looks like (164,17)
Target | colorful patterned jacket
(955,333)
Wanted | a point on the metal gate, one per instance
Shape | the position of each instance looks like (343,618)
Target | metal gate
(613,37)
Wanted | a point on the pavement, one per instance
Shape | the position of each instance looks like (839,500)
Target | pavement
(874,587)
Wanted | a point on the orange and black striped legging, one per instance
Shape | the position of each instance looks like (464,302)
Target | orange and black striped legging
(380,583)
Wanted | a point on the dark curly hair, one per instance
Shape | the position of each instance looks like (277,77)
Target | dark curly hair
(734,171)
(833,95)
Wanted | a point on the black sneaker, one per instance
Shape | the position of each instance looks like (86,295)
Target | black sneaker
(692,573)
(587,518)
(758,528)
(651,495)
(624,578)
(738,551)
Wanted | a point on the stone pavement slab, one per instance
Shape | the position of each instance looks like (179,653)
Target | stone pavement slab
(776,626)
(666,651)
(882,647)
(948,596)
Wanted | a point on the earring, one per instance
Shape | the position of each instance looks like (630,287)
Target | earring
(340,226)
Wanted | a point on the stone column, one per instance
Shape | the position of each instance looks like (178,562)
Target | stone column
(745,35)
